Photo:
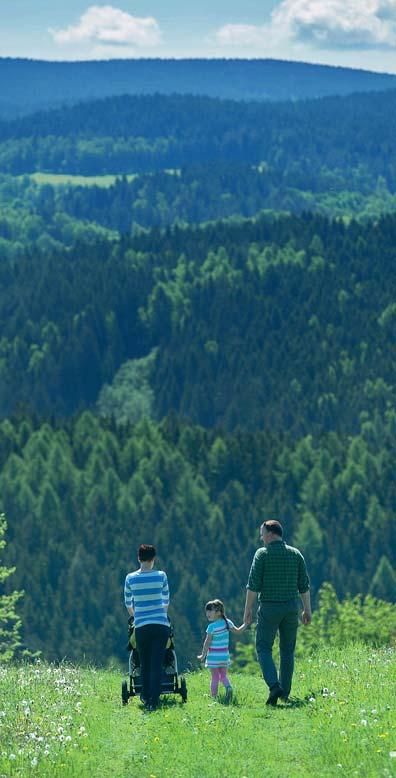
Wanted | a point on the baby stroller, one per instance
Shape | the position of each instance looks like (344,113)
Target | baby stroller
(171,682)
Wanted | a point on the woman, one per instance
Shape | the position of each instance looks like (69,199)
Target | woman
(146,596)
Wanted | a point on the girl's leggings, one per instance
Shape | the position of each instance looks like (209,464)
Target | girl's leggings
(218,674)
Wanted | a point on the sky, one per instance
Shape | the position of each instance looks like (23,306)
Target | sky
(354,33)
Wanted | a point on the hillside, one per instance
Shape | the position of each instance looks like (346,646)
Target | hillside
(279,323)
(29,84)
(197,333)
(69,721)
(318,145)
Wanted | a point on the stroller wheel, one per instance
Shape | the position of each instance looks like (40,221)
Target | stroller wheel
(183,689)
(124,693)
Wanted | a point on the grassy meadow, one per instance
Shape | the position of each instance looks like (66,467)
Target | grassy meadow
(69,721)
(62,179)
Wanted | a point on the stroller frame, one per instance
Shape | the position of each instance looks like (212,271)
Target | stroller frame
(171,681)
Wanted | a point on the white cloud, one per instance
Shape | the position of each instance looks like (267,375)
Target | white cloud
(327,24)
(240,34)
(106,25)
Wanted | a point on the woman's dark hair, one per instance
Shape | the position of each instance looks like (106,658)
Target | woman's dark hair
(146,553)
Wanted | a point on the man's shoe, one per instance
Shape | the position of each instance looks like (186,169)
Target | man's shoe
(276,691)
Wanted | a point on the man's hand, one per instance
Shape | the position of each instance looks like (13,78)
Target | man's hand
(249,602)
(201,657)
(306,617)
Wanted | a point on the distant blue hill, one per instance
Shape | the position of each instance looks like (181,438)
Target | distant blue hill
(26,85)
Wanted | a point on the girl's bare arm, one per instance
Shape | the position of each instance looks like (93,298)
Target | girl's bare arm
(238,630)
(205,648)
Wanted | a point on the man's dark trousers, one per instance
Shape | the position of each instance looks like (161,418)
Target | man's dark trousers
(271,617)
(151,640)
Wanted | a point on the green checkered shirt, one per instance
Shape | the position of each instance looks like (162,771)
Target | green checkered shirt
(278,573)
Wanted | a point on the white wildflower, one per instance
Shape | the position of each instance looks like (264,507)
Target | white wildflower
(364,723)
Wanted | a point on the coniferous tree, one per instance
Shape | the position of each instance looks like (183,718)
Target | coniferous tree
(383,584)
(10,623)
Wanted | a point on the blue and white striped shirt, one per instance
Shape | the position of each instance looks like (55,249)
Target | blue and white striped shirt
(148,594)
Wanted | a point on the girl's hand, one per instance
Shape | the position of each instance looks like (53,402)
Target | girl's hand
(200,657)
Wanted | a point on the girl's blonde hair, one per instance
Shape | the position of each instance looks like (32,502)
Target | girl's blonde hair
(218,606)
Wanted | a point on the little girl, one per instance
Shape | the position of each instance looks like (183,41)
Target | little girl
(215,648)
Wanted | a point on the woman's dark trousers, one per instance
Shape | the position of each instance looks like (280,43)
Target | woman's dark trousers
(151,640)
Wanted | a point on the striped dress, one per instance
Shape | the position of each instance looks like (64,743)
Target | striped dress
(218,653)
(148,594)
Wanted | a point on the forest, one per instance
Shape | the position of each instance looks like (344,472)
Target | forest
(201,342)
(318,143)
(26,84)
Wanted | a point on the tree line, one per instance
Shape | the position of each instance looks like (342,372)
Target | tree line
(311,144)
(52,215)
(283,323)
(81,495)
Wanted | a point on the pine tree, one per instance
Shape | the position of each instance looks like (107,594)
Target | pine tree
(383,584)
(10,623)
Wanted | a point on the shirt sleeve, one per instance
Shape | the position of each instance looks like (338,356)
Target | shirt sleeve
(165,591)
(128,596)
(303,577)
(209,629)
(255,582)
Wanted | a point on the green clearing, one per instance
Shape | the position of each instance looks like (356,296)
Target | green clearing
(69,721)
(63,179)
(68,179)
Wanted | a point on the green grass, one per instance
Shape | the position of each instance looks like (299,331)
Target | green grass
(62,179)
(59,179)
(70,722)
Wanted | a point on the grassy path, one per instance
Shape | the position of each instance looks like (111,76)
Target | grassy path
(342,722)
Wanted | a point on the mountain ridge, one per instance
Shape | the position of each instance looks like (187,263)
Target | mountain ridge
(29,84)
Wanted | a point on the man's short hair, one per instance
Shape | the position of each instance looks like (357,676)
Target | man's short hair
(273,526)
(146,553)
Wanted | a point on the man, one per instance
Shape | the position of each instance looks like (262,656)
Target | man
(278,575)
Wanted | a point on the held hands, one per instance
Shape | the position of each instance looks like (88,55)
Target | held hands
(201,657)
(247,617)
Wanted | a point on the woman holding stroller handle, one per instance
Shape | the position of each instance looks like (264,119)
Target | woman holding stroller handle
(146,595)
